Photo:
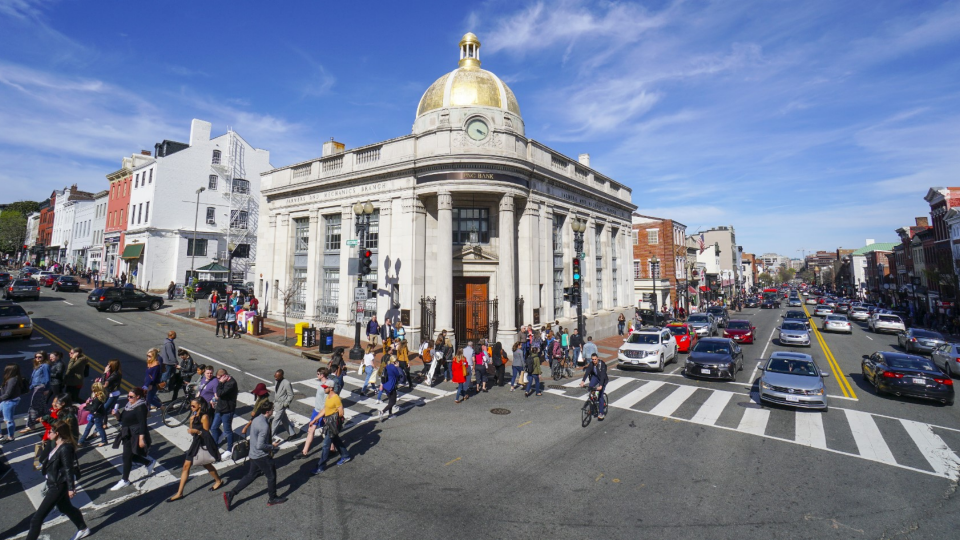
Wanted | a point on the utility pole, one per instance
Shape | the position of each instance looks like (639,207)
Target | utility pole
(579,227)
(362,211)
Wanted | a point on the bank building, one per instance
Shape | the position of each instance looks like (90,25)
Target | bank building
(469,223)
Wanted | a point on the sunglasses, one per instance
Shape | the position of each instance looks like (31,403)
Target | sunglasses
(131,396)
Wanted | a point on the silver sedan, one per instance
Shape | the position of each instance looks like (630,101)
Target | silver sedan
(837,323)
(793,379)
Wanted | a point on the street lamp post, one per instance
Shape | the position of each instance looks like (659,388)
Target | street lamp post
(362,211)
(579,226)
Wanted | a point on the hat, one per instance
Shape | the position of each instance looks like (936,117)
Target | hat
(260,390)
(326,386)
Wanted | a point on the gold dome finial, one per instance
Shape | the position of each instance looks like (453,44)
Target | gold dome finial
(469,51)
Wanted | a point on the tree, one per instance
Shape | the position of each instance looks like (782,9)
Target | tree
(288,296)
(13,225)
(765,279)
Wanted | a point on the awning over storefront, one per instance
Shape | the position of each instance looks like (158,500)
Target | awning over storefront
(704,288)
(132,251)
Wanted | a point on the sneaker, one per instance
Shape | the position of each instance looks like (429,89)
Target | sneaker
(278,500)
(317,471)
(344,460)
(380,416)
(228,500)
(83,533)
(152,465)
(120,485)
(299,455)
(225,455)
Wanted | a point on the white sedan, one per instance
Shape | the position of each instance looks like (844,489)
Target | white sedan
(883,322)
(837,323)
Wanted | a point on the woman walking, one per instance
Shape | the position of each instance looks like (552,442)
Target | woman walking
(518,365)
(203,450)
(151,379)
(39,379)
(426,357)
(58,464)
(389,386)
(62,410)
(96,409)
(112,377)
(367,368)
(533,372)
(10,391)
(480,367)
(460,375)
(403,358)
(133,436)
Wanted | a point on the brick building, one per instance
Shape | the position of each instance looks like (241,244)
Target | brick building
(660,261)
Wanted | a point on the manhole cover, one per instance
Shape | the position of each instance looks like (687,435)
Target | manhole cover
(556,387)
(500,411)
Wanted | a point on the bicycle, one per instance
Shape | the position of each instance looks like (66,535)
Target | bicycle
(562,367)
(177,412)
(591,408)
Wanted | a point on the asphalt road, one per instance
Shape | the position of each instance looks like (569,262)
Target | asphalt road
(675,458)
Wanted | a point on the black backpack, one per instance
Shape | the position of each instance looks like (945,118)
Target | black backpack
(24,385)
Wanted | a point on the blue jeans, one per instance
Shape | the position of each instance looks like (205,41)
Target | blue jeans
(108,406)
(336,441)
(461,390)
(620,328)
(7,408)
(95,421)
(533,380)
(337,384)
(448,371)
(168,371)
(152,399)
(366,381)
(517,370)
(226,419)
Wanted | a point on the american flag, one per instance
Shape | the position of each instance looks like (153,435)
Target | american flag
(702,241)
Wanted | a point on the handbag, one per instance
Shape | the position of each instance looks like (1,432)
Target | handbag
(204,457)
(523,377)
(82,415)
(360,369)
(241,450)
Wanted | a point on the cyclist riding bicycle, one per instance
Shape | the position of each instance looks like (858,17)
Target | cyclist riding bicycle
(596,374)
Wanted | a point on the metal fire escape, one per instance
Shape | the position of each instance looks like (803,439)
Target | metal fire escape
(243,208)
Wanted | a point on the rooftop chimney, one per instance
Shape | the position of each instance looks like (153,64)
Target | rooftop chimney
(332,147)
(584,159)
(145,153)
(870,241)
(199,131)
(922,222)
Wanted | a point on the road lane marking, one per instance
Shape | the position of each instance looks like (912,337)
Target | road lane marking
(673,402)
(118,322)
(67,303)
(753,375)
(868,337)
(637,395)
(937,453)
(615,384)
(809,429)
(124,384)
(259,378)
(528,422)
(40,345)
(832,361)
(867,435)
(754,421)
(710,411)
(191,351)
(452,461)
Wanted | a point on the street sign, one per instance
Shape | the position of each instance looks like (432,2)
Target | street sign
(360,294)
(353,242)
(360,317)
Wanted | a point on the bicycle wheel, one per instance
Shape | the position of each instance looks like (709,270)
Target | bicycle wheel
(586,413)
(177,412)
(557,371)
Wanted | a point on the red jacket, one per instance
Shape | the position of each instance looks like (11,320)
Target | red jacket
(459,370)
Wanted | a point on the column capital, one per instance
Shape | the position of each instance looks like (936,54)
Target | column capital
(412,205)
(532,208)
(444,200)
(314,215)
(385,207)
(272,220)
(506,203)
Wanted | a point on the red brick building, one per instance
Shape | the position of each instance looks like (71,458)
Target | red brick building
(660,261)
(45,229)
(941,200)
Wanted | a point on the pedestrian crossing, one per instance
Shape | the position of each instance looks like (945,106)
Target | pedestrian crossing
(102,466)
(892,441)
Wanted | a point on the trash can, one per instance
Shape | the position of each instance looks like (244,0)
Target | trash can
(201,308)
(257,326)
(310,337)
(326,339)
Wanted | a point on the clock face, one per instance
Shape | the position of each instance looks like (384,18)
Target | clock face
(477,129)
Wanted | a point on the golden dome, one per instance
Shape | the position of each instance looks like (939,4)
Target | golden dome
(468,85)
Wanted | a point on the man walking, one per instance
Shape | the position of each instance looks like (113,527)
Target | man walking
(261,459)
(332,420)
(590,348)
(282,398)
(221,321)
(576,342)
(319,401)
(168,356)
(225,406)
(77,369)
(373,331)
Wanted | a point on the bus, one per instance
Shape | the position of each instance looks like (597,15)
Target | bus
(772,294)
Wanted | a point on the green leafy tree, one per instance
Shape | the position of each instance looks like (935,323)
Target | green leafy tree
(13,225)
(765,279)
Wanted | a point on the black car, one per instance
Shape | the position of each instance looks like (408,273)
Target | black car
(22,289)
(751,302)
(117,298)
(5,279)
(66,283)
(203,289)
(714,358)
(903,374)
(720,314)
(773,303)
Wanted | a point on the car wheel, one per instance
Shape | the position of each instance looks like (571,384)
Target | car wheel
(660,365)
(115,307)
(154,306)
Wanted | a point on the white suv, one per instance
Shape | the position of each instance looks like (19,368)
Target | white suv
(883,322)
(648,348)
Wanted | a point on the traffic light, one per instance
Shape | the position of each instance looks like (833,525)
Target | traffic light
(577,276)
(365,262)
(570,294)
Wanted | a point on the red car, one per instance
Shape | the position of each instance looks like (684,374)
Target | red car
(684,337)
(48,280)
(740,331)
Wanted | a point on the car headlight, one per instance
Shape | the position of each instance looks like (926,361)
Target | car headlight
(765,385)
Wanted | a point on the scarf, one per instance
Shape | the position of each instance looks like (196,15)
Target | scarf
(134,405)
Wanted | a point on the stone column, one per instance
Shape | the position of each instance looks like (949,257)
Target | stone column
(313,267)
(444,264)
(506,272)
(413,268)
(528,262)
(385,253)
(345,302)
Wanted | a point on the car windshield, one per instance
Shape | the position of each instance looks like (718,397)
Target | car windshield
(715,310)
(739,325)
(927,334)
(697,318)
(12,311)
(889,318)
(26,282)
(678,330)
(795,315)
(793,367)
(906,362)
(860,310)
(644,339)
(794,327)
(67,278)
(839,318)
(712,347)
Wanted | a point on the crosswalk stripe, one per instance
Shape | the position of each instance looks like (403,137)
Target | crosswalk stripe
(809,429)
(867,435)
(754,421)
(615,384)
(31,479)
(937,453)
(637,395)
(710,411)
(673,402)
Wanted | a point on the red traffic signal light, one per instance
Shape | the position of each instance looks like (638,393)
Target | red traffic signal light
(365,262)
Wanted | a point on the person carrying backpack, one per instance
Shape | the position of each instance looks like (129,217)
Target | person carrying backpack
(533,372)
(58,460)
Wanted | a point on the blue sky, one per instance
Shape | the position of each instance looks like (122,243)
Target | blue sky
(805,125)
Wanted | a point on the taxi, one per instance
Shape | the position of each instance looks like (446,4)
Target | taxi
(683,335)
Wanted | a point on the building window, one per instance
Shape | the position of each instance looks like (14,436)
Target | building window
(557,293)
(125,188)
(238,219)
(299,305)
(653,236)
(216,157)
(471,226)
(637,273)
(136,181)
(212,182)
(329,304)
(201,247)
(139,212)
(372,238)
(654,269)
(240,186)
(331,232)
(121,217)
(301,235)
(636,237)
(146,215)
(558,233)
(211,215)
(613,265)
(151,176)
(557,266)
